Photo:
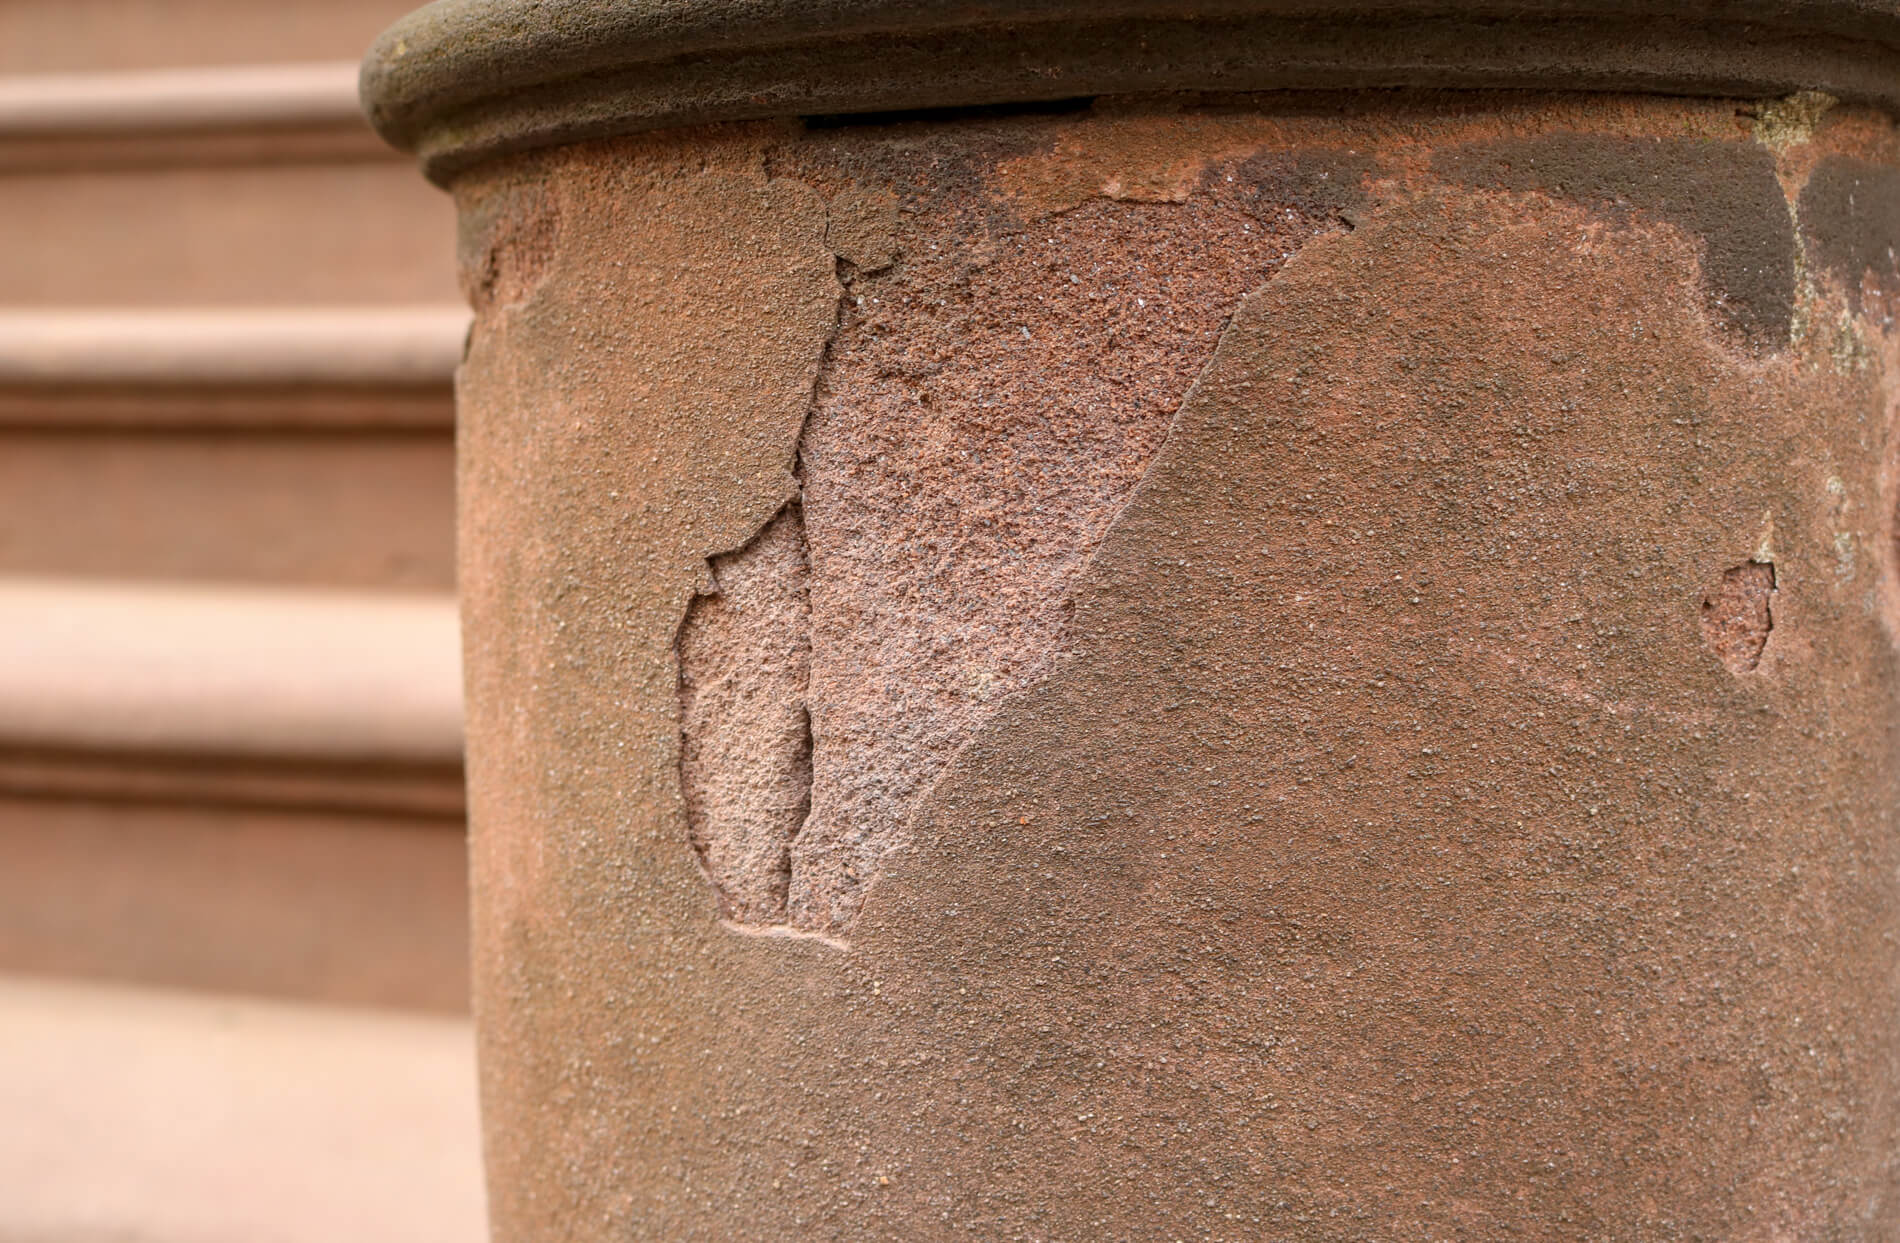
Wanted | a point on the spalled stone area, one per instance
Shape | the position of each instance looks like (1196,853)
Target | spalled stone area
(745,748)
(986,410)
(1736,617)
(1000,380)
(505,250)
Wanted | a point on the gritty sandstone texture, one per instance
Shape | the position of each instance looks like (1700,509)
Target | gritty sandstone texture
(1738,614)
(1350,686)
(745,720)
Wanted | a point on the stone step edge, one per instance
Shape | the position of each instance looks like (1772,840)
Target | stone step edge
(231,367)
(329,677)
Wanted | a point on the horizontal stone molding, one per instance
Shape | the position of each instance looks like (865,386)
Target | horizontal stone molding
(253,346)
(430,791)
(165,100)
(368,367)
(246,113)
(228,409)
(334,677)
(460,81)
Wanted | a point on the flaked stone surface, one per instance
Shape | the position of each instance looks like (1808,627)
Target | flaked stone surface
(984,415)
(1736,616)
(745,752)
(987,406)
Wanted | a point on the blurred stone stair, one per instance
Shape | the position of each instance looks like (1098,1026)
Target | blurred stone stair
(229,693)
(135,1114)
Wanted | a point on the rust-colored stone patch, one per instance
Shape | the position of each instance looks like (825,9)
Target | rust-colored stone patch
(510,249)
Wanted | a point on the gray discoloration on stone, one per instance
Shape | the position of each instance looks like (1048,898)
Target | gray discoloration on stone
(1320,185)
(1850,216)
(1723,192)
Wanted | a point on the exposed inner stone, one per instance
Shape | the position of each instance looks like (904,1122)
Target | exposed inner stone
(745,747)
(1736,617)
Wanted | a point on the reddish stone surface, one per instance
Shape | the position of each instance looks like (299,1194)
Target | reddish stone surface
(1302,743)
(1737,615)
(745,724)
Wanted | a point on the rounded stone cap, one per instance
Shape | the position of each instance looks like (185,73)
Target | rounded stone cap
(461,81)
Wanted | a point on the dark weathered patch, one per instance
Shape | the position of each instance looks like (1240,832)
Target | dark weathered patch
(1725,193)
(1316,185)
(1850,216)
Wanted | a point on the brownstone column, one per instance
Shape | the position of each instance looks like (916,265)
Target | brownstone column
(1131,653)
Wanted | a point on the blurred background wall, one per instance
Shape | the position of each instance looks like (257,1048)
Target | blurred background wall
(232,893)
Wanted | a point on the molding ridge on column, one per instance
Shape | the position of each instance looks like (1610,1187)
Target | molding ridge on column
(460,81)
